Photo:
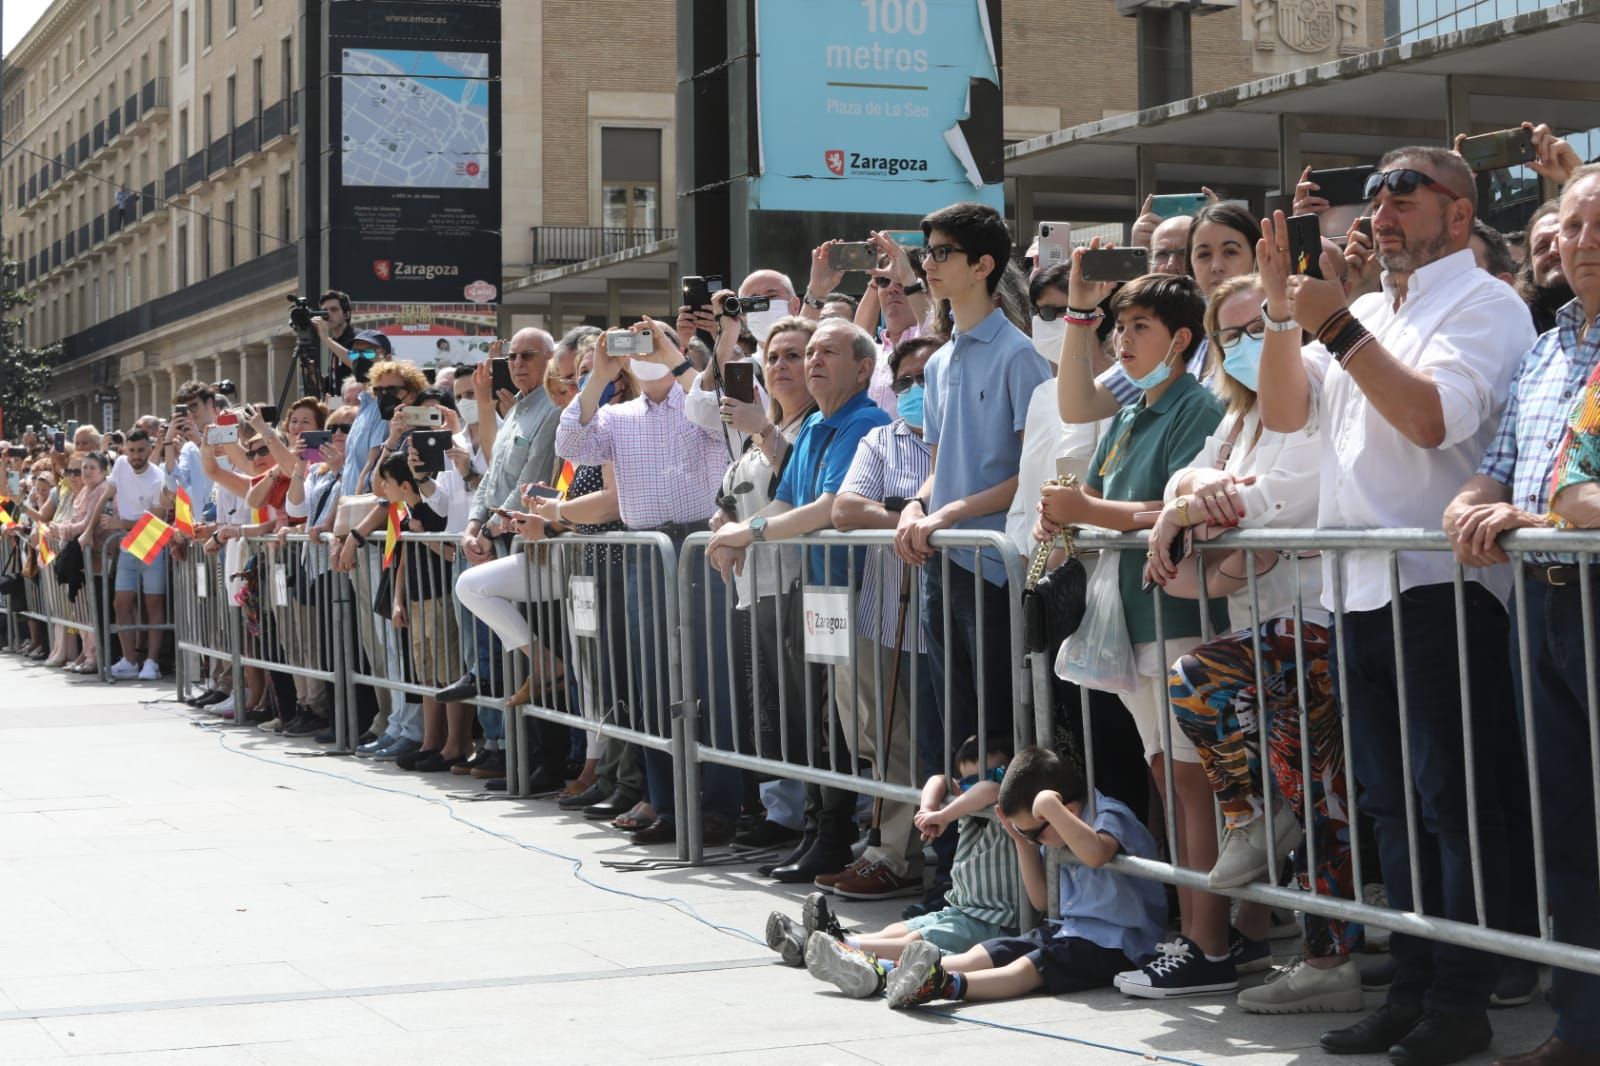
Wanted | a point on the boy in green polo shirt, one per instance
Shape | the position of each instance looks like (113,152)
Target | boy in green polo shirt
(1160,322)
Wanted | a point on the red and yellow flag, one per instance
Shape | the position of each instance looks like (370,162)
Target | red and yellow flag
(183,513)
(47,554)
(147,537)
(391,535)
(6,521)
(564,482)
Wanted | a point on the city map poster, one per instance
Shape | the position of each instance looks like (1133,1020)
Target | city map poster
(431,335)
(412,175)
(878,106)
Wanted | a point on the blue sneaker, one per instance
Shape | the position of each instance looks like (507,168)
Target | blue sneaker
(1249,956)
(374,747)
(1180,969)
(401,746)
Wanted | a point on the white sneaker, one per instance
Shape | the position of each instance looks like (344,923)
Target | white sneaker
(224,707)
(1243,857)
(1300,988)
(151,671)
(123,670)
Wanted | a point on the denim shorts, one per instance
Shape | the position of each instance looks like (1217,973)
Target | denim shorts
(953,929)
(149,578)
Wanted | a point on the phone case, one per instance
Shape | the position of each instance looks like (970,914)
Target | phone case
(1115,264)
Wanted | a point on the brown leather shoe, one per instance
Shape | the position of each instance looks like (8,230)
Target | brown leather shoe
(659,831)
(828,880)
(1553,1052)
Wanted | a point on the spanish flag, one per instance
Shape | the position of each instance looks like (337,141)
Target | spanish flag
(147,537)
(183,513)
(564,482)
(391,535)
(6,521)
(258,515)
(46,554)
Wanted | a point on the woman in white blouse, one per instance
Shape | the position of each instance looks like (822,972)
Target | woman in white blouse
(1249,477)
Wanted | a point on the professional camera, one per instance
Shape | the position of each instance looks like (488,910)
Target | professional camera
(734,306)
(301,312)
(308,347)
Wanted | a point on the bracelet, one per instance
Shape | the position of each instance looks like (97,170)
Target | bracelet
(681,367)
(1182,503)
(1350,352)
(1334,323)
(1088,321)
(1093,312)
(1274,325)
(809,302)
(1350,336)
(357,536)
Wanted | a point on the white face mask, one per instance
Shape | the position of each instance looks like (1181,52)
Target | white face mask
(468,411)
(761,322)
(646,370)
(1047,337)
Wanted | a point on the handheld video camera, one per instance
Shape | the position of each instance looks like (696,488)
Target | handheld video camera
(734,306)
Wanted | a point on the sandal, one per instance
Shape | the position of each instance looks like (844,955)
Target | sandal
(640,817)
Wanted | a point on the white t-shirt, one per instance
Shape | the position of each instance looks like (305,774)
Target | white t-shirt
(136,493)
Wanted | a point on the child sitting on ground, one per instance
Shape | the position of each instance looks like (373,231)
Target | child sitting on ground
(981,903)
(1108,922)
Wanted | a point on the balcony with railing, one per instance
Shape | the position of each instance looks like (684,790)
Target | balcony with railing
(99,135)
(219,155)
(71,156)
(113,124)
(153,97)
(564,245)
(97,231)
(55,255)
(56,170)
(71,244)
(172,182)
(83,148)
(113,222)
(246,139)
(130,111)
(194,170)
(148,202)
(274,122)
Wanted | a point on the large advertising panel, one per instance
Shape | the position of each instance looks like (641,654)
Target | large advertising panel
(881,106)
(431,335)
(413,165)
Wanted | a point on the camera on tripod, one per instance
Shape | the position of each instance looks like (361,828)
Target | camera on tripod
(301,312)
(308,346)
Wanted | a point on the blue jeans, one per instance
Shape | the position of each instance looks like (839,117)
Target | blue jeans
(954,657)
(1561,738)
(720,785)
(1432,976)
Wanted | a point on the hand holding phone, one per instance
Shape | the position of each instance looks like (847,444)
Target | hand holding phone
(739,382)
(1498,150)
(1115,264)
(1305,246)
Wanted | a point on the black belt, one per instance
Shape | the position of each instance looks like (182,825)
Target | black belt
(678,532)
(1557,575)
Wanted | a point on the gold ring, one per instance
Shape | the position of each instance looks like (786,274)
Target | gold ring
(1151,554)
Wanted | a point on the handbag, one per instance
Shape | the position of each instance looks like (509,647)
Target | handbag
(1053,603)
(1100,654)
(68,567)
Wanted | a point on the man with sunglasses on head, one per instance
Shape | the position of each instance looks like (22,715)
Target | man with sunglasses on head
(1408,386)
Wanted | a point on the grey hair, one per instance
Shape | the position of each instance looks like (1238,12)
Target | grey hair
(862,346)
(1583,173)
(575,337)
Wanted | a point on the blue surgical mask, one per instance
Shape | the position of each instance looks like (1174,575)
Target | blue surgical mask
(1157,376)
(1242,360)
(909,406)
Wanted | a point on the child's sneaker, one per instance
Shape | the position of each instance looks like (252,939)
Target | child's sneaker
(784,937)
(1249,956)
(850,970)
(819,917)
(1181,969)
(918,978)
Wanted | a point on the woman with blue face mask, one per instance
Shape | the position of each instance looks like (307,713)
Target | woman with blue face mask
(1248,477)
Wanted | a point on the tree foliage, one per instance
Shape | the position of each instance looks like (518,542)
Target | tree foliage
(24,371)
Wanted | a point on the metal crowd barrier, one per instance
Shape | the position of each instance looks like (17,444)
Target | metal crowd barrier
(101,589)
(1294,546)
(205,623)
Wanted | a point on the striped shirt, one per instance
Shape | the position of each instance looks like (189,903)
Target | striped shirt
(1548,383)
(891,460)
(668,469)
(984,880)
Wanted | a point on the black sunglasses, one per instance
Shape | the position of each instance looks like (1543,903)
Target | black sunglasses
(258,453)
(1047,313)
(389,390)
(1033,835)
(1404,182)
(342,427)
(903,384)
(74,471)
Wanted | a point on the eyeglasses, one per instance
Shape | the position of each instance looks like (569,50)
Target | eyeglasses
(342,427)
(1254,329)
(882,281)
(1034,835)
(523,357)
(904,383)
(1404,182)
(388,390)
(1047,313)
(74,471)
(940,252)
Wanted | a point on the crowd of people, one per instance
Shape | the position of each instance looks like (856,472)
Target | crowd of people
(1431,372)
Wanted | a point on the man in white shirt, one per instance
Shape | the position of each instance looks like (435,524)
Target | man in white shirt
(1409,386)
(140,487)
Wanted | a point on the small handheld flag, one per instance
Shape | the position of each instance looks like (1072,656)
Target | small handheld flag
(564,482)
(47,555)
(147,537)
(183,514)
(391,535)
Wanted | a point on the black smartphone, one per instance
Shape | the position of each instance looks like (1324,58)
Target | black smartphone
(1305,246)
(60,443)
(698,289)
(1342,185)
(431,445)
(1496,151)
(268,413)
(1364,224)
(1115,264)
(430,374)
(739,382)
(16,453)
(541,491)
(500,373)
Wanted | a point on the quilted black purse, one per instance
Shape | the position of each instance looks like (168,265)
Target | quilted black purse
(1053,603)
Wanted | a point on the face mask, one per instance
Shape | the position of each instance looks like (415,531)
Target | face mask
(1242,361)
(761,322)
(648,371)
(388,405)
(360,365)
(1157,376)
(910,406)
(1047,337)
(468,410)
(606,393)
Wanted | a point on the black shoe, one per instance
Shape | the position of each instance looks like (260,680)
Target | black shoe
(257,717)
(1440,1039)
(464,688)
(716,832)
(807,840)
(542,783)
(194,701)
(496,785)
(430,762)
(660,831)
(821,859)
(1374,1034)
(589,796)
(488,765)
(327,736)
(305,724)
(412,760)
(208,698)
(767,834)
(619,802)
(818,917)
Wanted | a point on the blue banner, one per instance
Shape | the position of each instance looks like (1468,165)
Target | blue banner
(878,106)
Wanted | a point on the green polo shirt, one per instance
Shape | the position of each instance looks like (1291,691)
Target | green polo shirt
(1145,446)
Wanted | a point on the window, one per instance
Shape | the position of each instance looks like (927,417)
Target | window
(98,37)
(83,44)
(233,14)
(205,24)
(183,38)
(230,230)
(111,19)
(630,178)
(285,205)
(111,293)
(257,71)
(183,255)
(161,57)
(183,134)
(205,120)
(258,220)
(286,68)
(127,279)
(144,274)
(205,246)
(231,117)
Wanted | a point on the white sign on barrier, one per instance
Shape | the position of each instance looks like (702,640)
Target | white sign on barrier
(280,586)
(827,621)
(200,581)
(585,600)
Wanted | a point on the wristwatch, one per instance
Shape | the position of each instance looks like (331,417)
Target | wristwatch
(914,288)
(681,367)
(808,301)
(1273,325)
(758,527)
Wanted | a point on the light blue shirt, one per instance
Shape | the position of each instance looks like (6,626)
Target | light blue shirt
(190,476)
(1108,908)
(367,432)
(978,388)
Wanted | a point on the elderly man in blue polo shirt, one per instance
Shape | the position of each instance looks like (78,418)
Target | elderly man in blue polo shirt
(840,360)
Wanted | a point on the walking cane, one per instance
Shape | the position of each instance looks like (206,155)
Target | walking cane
(875,835)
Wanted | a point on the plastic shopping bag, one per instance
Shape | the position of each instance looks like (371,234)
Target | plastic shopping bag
(1100,655)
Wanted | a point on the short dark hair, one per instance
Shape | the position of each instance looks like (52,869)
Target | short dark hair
(1453,171)
(444,397)
(335,294)
(100,458)
(135,435)
(923,345)
(979,230)
(1055,277)
(1034,770)
(190,391)
(996,743)
(397,468)
(1175,299)
(841,298)
(1236,218)
(1500,261)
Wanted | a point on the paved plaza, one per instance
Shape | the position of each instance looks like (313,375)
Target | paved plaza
(177,894)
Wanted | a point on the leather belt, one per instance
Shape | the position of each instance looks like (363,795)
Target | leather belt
(1557,575)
